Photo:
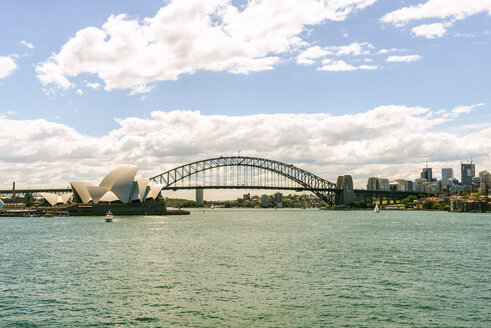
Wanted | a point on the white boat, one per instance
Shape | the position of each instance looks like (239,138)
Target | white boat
(109,216)
(376,210)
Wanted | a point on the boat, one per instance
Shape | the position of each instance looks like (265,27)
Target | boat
(109,216)
(376,210)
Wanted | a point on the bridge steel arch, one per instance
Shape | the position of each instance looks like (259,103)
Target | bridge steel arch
(310,182)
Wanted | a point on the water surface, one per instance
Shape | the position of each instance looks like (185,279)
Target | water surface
(243,268)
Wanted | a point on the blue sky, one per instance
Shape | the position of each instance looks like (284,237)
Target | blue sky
(239,60)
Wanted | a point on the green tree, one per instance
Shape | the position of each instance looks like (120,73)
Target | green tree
(428,204)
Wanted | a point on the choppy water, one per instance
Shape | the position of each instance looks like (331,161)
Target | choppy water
(244,268)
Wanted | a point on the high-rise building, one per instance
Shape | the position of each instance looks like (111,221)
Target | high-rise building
(485,182)
(447,173)
(482,175)
(199,196)
(372,183)
(468,171)
(378,184)
(427,174)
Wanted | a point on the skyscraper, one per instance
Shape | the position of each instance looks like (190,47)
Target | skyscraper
(468,171)
(447,173)
(427,174)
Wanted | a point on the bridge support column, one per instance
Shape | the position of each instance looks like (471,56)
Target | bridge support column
(345,195)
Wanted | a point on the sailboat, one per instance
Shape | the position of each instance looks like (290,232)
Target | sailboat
(376,209)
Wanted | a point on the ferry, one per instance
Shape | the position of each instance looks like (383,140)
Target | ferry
(109,216)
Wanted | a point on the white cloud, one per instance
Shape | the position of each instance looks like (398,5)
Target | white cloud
(79,92)
(354,49)
(340,65)
(368,67)
(386,51)
(431,31)
(7,66)
(52,154)
(448,11)
(187,36)
(306,57)
(457,111)
(336,66)
(94,85)
(309,55)
(442,9)
(26,44)
(403,59)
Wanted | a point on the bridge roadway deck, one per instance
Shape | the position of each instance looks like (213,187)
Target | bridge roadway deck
(358,192)
(36,191)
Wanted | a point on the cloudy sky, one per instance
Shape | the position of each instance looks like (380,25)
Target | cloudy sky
(361,87)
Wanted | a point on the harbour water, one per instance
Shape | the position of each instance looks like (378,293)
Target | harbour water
(248,268)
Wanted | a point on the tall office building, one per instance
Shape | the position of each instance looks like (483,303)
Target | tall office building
(199,196)
(482,176)
(375,183)
(468,171)
(447,173)
(427,174)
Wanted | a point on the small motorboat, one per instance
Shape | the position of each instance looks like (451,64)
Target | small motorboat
(109,216)
(376,209)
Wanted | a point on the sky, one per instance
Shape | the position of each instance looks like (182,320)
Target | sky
(361,87)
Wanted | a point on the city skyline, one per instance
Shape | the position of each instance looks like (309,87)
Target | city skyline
(361,87)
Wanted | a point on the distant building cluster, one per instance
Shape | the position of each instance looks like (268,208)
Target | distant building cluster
(427,183)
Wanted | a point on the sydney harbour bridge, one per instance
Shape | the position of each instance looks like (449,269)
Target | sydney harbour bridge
(241,172)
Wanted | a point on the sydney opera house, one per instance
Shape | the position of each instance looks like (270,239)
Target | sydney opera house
(120,191)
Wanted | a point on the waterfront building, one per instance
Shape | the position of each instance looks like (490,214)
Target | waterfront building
(199,196)
(54,199)
(447,173)
(265,200)
(120,185)
(468,171)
